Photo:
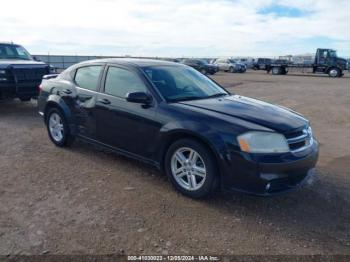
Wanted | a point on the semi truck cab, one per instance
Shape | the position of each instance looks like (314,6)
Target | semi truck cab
(327,61)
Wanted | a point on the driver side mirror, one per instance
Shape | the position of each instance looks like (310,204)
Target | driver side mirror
(139,98)
(36,59)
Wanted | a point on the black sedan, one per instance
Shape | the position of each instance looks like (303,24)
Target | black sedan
(177,119)
(201,66)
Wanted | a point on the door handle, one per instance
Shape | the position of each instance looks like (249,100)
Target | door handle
(67,91)
(104,101)
(83,98)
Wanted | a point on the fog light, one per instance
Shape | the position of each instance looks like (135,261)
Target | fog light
(268,186)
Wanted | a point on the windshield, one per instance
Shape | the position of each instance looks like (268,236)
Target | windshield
(333,53)
(13,52)
(180,83)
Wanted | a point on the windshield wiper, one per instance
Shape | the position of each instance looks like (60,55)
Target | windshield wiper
(217,95)
(16,57)
(185,98)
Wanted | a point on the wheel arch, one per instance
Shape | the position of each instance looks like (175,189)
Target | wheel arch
(174,136)
(334,67)
(57,102)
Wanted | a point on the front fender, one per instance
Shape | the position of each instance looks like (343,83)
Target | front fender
(204,133)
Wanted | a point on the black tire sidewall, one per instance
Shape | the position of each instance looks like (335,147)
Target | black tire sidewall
(210,183)
(66,134)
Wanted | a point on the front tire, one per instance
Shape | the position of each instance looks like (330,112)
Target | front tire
(334,72)
(58,128)
(191,168)
(203,71)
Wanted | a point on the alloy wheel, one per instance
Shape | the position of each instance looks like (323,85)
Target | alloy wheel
(56,127)
(188,168)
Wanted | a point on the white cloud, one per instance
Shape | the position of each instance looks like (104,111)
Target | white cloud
(172,28)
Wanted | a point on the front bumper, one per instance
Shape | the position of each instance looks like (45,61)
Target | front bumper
(211,70)
(266,175)
(12,89)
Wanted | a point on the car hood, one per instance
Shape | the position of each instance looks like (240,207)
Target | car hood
(258,112)
(17,62)
(342,60)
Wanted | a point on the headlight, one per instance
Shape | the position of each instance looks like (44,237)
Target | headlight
(263,142)
(2,79)
(2,72)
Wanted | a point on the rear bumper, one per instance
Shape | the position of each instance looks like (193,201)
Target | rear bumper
(270,175)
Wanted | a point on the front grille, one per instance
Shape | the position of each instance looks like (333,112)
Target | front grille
(29,74)
(28,79)
(300,139)
(294,134)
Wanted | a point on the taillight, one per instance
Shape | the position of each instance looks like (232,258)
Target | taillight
(40,88)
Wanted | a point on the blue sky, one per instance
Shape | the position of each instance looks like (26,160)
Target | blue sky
(178,28)
(283,11)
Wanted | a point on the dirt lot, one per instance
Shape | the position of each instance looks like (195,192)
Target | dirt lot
(86,200)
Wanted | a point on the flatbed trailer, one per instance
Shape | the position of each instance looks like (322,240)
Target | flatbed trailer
(326,62)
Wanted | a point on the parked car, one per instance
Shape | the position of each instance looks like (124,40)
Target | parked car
(248,62)
(175,60)
(169,115)
(201,66)
(262,63)
(212,60)
(229,65)
(20,74)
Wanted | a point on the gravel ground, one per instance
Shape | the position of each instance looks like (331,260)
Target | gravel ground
(87,200)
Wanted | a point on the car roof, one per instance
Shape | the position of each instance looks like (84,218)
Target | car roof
(8,43)
(138,62)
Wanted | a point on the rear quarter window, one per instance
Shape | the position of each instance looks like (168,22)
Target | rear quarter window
(88,77)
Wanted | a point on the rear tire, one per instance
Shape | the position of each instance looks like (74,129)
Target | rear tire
(191,168)
(232,70)
(276,70)
(203,71)
(58,128)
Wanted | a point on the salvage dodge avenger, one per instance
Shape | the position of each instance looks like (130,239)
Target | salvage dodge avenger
(169,115)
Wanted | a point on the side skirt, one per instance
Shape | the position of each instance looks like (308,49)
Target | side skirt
(121,152)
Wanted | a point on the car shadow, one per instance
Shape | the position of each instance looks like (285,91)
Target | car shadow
(318,211)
